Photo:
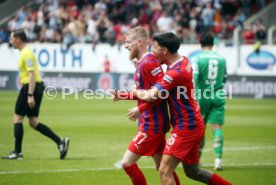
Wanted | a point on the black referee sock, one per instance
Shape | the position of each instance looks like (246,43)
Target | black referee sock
(46,131)
(18,137)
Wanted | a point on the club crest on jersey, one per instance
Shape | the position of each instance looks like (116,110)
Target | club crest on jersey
(188,68)
(30,63)
(167,78)
(156,71)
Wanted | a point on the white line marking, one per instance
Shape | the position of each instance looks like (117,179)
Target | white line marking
(117,164)
(244,164)
(228,164)
(145,167)
(244,148)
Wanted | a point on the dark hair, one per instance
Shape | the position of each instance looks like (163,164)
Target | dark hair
(168,40)
(20,34)
(206,39)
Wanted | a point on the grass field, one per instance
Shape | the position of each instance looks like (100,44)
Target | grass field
(100,132)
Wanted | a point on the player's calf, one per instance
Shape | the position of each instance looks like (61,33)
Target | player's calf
(195,173)
(135,174)
(218,148)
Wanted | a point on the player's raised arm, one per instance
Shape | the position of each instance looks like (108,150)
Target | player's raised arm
(117,95)
(150,95)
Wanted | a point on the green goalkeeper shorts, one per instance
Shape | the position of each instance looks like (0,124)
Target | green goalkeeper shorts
(212,109)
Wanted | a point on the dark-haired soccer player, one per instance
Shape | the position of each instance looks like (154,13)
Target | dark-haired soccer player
(153,123)
(29,98)
(209,69)
(188,126)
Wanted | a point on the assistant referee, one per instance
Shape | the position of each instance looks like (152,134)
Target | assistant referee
(29,98)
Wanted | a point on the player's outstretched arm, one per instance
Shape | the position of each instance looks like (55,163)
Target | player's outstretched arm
(150,95)
(123,96)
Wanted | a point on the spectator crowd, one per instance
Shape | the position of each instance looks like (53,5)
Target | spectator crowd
(106,21)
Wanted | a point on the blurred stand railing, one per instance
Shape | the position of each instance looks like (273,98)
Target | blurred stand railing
(271,35)
(9,8)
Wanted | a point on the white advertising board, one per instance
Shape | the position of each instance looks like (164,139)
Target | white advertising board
(81,57)
(262,63)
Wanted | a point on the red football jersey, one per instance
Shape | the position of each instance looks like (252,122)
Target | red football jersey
(148,72)
(184,108)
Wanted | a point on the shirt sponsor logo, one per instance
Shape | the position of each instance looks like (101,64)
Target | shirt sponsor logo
(188,68)
(156,71)
(167,78)
(30,63)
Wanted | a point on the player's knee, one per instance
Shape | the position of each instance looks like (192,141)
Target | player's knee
(32,123)
(216,127)
(17,119)
(217,142)
(163,171)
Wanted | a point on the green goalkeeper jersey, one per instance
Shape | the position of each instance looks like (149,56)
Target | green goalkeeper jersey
(209,69)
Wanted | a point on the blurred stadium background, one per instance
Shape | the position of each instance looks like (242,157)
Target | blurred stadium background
(79,44)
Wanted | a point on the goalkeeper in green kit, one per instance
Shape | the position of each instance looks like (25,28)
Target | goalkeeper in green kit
(209,77)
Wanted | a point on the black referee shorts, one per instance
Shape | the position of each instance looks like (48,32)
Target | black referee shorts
(22,108)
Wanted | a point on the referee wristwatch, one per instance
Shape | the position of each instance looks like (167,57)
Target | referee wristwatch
(30,94)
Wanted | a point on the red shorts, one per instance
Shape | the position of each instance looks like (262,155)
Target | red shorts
(184,145)
(147,145)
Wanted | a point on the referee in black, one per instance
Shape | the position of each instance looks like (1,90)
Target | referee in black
(29,98)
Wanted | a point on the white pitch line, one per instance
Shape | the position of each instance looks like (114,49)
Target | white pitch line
(226,165)
(243,164)
(244,148)
(110,169)
(117,164)
(58,171)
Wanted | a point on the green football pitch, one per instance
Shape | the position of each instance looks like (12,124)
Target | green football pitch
(100,132)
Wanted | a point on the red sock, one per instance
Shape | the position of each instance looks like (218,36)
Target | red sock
(176,179)
(136,175)
(217,180)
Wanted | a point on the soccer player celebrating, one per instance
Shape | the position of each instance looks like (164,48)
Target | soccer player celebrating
(29,99)
(188,126)
(209,70)
(153,123)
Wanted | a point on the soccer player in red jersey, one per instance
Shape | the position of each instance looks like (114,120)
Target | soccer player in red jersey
(152,123)
(188,127)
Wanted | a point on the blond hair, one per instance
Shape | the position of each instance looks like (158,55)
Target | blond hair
(138,33)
